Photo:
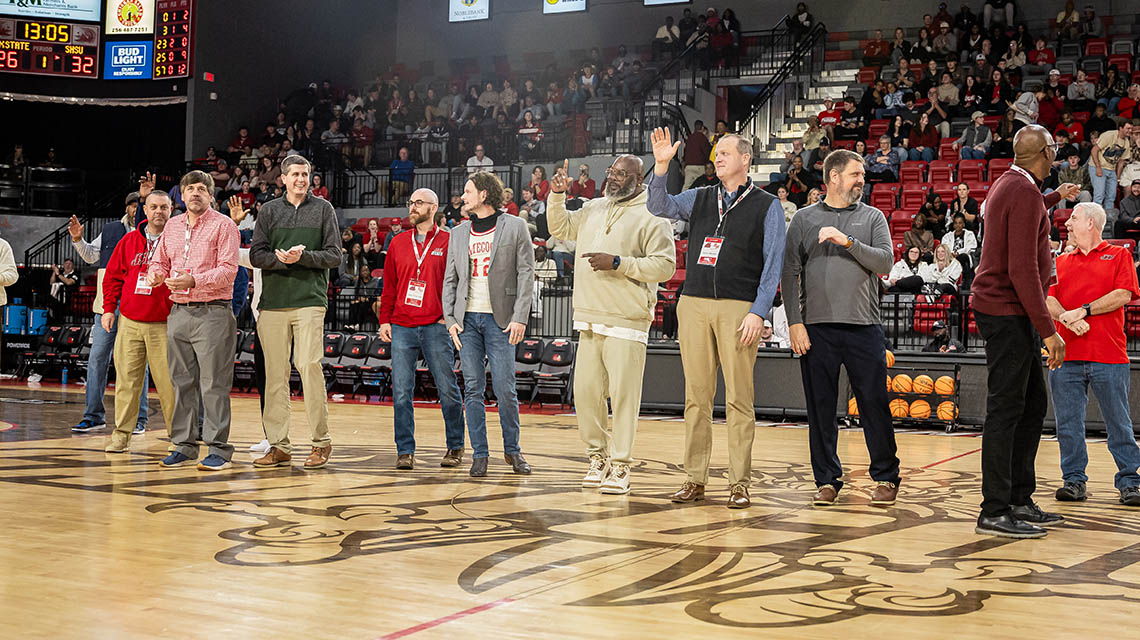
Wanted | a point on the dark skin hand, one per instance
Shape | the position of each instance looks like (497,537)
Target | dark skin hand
(600,261)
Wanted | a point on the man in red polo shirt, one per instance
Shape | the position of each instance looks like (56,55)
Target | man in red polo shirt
(411,318)
(1093,285)
(829,118)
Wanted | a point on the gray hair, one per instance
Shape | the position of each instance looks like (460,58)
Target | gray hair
(743,143)
(1094,211)
(293,159)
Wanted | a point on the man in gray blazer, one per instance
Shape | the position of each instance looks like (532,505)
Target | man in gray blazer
(486,297)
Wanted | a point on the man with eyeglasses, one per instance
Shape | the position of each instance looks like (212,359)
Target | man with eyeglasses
(479,161)
(411,318)
(624,252)
(733,268)
(197,259)
(295,242)
(1009,303)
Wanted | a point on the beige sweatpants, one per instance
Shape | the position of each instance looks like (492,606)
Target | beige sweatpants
(608,367)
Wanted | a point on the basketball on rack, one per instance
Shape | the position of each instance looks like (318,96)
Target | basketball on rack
(944,386)
(920,409)
(947,411)
(899,408)
(852,407)
(923,384)
(901,384)
(890,359)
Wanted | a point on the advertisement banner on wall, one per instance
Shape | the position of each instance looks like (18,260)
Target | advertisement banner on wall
(130,17)
(563,6)
(464,10)
(128,60)
(83,10)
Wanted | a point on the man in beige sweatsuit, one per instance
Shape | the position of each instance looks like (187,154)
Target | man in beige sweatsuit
(8,273)
(623,253)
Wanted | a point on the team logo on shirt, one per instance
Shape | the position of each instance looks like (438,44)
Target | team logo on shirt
(1107,257)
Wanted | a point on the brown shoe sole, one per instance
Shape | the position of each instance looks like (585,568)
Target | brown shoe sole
(734,505)
(883,503)
(319,465)
(270,465)
(684,500)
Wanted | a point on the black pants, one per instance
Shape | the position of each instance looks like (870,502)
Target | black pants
(1015,412)
(909,284)
(859,348)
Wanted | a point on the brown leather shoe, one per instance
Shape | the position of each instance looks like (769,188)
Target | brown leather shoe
(452,458)
(825,496)
(885,494)
(689,492)
(738,497)
(273,458)
(404,461)
(318,457)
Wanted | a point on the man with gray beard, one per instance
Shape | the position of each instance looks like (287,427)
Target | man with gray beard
(835,252)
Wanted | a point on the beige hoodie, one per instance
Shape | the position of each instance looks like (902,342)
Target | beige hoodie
(625,297)
(8,273)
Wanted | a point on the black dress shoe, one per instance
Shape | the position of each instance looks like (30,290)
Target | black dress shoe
(1072,492)
(1033,514)
(478,467)
(517,463)
(1007,526)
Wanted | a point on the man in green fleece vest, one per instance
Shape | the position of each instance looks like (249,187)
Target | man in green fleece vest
(623,253)
(295,243)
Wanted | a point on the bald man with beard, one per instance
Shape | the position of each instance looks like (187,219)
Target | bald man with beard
(624,252)
(1009,303)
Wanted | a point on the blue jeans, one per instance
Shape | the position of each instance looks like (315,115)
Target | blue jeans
(970,153)
(926,155)
(1104,187)
(98,362)
(1109,384)
(1110,104)
(435,342)
(560,260)
(482,337)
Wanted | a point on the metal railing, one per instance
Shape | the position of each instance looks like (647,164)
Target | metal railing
(353,188)
(788,86)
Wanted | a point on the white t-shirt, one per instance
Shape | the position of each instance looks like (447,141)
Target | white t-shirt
(479,246)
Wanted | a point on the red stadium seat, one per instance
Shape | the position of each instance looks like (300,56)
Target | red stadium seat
(1132,319)
(913,171)
(998,166)
(992,122)
(947,152)
(1081,116)
(941,171)
(844,144)
(979,191)
(1123,63)
(867,75)
(1127,243)
(884,199)
(1096,47)
(948,190)
(914,196)
(971,170)
(1093,77)
(926,313)
(877,128)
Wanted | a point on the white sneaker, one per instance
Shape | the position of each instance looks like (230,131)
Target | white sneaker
(617,482)
(598,468)
(260,447)
(35,377)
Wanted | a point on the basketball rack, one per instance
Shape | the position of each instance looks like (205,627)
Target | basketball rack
(935,371)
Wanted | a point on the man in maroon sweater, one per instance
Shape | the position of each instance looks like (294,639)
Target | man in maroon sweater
(411,318)
(1009,305)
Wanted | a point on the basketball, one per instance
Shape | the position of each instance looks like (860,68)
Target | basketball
(923,384)
(944,386)
(947,411)
(899,408)
(852,407)
(901,383)
(920,409)
(890,359)
(888,384)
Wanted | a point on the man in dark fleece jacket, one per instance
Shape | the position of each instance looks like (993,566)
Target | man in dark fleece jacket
(295,243)
(1009,306)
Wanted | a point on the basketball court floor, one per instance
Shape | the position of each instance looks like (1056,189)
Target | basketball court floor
(111,546)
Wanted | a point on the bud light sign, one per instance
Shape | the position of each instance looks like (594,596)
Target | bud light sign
(128,60)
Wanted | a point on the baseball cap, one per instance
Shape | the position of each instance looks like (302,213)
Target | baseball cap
(1054,72)
(1136,182)
(768,323)
(825,141)
(945,24)
(938,325)
(980,56)
(132,197)
(977,114)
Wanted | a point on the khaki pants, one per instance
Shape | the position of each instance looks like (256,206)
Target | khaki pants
(706,329)
(692,172)
(614,368)
(302,329)
(136,345)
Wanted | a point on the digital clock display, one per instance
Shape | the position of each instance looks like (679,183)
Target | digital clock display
(47,47)
(173,38)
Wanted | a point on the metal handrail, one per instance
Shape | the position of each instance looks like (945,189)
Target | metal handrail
(804,48)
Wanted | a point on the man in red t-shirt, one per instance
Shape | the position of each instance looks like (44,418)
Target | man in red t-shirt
(829,118)
(411,318)
(1094,282)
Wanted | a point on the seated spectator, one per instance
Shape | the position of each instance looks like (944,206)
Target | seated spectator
(563,253)
(545,271)
(1082,93)
(943,272)
(905,275)
(1040,58)
(923,48)
(930,79)
(352,263)
(635,80)
(815,162)
(531,208)
(432,106)
(64,282)
(873,99)
(270,138)
(1073,172)
(937,113)
(365,293)
(399,116)
(667,39)
(878,51)
(893,102)
(537,111)
(813,197)
(249,158)
(883,164)
(583,186)
(801,22)
(899,131)
(940,340)
(964,19)
(1128,219)
(997,10)
(943,15)
(1111,89)
(402,171)
(588,82)
(237,179)
(530,134)
(374,245)
(488,101)
(333,140)
(508,101)
(509,205)
(1053,81)
(1068,23)
(539,183)
(394,229)
(970,44)
(852,122)
(963,245)
(1129,106)
(479,161)
(453,212)
(810,137)
(945,43)
(241,141)
(962,205)
(982,68)
(1091,25)
(361,143)
(247,197)
(1014,57)
(900,46)
(800,181)
(934,210)
(710,179)
(1099,122)
(347,237)
(1026,107)
(948,94)
(904,78)
(919,237)
(1049,109)
(1002,146)
(997,96)
(554,100)
(573,99)
(788,206)
(829,118)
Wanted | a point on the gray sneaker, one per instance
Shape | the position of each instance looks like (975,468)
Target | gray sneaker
(1130,496)
(1072,492)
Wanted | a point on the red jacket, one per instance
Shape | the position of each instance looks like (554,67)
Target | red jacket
(400,270)
(1017,259)
(128,262)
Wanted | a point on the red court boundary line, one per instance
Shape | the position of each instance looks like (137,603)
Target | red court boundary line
(960,455)
(438,621)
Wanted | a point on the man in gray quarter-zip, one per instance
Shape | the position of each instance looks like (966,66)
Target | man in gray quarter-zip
(731,276)
(836,250)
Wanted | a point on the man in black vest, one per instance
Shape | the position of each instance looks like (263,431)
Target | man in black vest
(103,342)
(736,233)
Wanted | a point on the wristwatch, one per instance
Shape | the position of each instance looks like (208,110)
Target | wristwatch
(850,242)
(617,261)
(1088,309)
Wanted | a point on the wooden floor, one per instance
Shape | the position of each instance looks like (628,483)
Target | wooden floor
(111,546)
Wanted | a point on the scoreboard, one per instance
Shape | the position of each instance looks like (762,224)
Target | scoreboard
(49,47)
(172,38)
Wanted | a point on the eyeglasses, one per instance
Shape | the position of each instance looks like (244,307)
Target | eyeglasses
(419,203)
(1055,147)
(620,174)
